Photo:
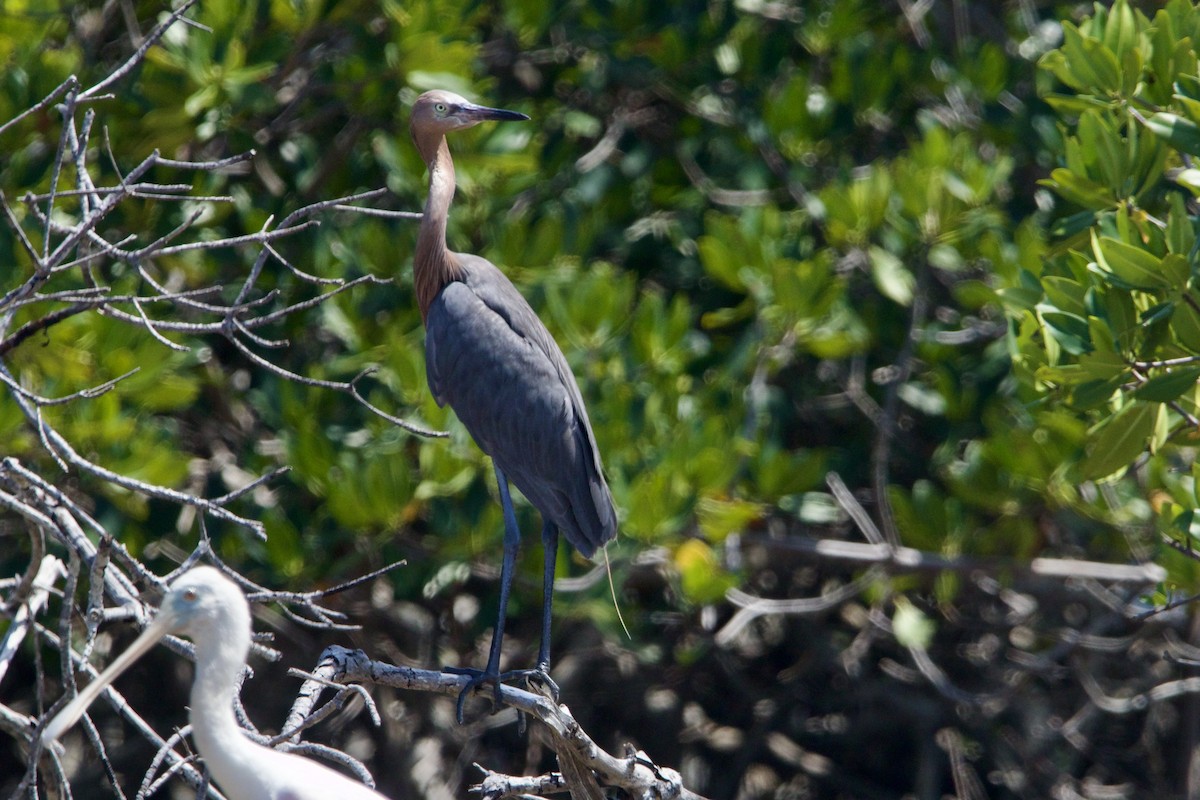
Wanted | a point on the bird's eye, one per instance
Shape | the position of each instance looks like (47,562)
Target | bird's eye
(190,596)
(440,108)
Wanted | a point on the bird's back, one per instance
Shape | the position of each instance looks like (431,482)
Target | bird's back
(491,358)
(262,773)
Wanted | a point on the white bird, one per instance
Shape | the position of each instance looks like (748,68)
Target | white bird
(209,608)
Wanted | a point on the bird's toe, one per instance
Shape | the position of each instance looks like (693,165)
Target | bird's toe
(475,679)
(531,678)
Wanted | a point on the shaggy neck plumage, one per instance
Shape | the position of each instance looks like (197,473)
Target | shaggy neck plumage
(434,265)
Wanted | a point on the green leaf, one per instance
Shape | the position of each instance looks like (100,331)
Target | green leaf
(1157,313)
(1070,330)
(1094,394)
(1196,481)
(891,276)
(1079,190)
(1180,233)
(1132,265)
(700,575)
(1091,63)
(1190,180)
(721,262)
(1119,440)
(720,517)
(1180,133)
(1065,293)
(910,625)
(1175,269)
(1185,324)
(1168,386)
(1121,32)
(1017,299)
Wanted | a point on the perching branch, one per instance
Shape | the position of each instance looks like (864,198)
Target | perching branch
(632,772)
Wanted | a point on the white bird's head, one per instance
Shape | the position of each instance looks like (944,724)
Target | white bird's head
(202,604)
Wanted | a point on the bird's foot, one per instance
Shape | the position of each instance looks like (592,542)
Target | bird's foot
(479,677)
(539,675)
(476,678)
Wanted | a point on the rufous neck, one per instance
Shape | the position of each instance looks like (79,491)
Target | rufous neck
(434,265)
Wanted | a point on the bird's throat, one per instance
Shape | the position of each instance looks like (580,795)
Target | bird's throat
(434,265)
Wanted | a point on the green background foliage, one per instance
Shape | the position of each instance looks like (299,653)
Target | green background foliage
(950,257)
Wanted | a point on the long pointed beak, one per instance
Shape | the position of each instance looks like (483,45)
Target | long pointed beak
(73,710)
(481,113)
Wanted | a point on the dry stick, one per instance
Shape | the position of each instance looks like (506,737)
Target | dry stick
(405,424)
(61,445)
(940,681)
(67,85)
(751,607)
(103,295)
(299,273)
(496,785)
(967,785)
(261,341)
(908,559)
(68,112)
(24,585)
(28,245)
(845,498)
(140,53)
(49,570)
(64,517)
(93,736)
(312,302)
(335,704)
(43,402)
(150,783)
(24,509)
(149,326)
(263,237)
(88,223)
(95,602)
(735,198)
(41,324)
(252,485)
(157,191)
(635,773)
(83,178)
(323,618)
(379,212)
(300,213)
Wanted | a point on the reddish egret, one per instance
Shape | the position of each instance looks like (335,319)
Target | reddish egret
(208,607)
(489,356)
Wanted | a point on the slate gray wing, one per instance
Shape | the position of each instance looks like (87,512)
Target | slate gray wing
(490,358)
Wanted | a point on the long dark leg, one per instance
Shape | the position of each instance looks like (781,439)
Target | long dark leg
(550,544)
(512,543)
(541,672)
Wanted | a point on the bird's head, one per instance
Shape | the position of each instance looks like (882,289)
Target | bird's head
(201,603)
(439,112)
(201,598)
